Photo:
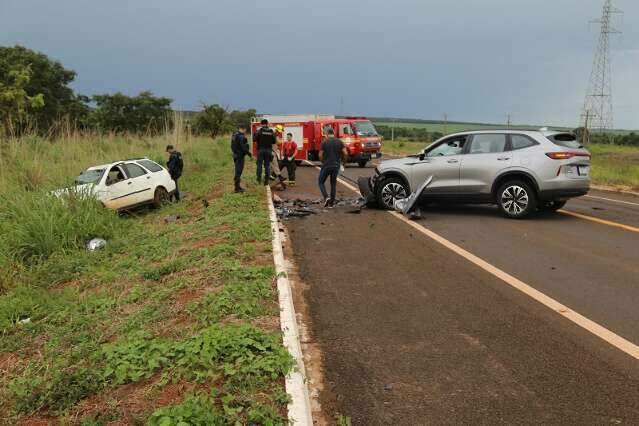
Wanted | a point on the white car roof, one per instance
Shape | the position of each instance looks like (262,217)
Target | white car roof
(105,166)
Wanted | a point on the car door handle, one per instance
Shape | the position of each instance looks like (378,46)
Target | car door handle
(503,158)
(453,161)
(129,183)
(148,177)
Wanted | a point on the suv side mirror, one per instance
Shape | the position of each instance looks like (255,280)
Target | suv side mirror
(422,156)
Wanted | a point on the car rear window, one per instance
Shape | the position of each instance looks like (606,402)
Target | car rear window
(567,140)
(150,165)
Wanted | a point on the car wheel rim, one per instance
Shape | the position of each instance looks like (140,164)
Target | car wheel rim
(514,200)
(391,192)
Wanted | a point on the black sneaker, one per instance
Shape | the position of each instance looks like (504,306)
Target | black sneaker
(239,190)
(327,202)
(331,204)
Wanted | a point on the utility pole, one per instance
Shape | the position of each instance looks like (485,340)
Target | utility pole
(585,137)
(393,131)
(598,103)
(508,124)
(445,124)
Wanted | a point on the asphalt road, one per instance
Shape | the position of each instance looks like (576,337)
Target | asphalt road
(413,333)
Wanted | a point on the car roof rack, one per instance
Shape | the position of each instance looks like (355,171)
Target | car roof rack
(134,159)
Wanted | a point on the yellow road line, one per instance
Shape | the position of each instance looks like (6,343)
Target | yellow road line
(578,319)
(600,221)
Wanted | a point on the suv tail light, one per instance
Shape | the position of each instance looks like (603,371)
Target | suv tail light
(566,155)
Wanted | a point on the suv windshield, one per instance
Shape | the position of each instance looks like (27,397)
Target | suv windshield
(364,128)
(567,140)
(89,176)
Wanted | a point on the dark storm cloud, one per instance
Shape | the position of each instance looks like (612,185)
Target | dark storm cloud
(474,60)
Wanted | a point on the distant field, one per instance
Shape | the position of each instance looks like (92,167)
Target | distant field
(612,165)
(457,126)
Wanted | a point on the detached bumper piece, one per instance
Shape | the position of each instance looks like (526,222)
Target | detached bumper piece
(407,206)
(367,190)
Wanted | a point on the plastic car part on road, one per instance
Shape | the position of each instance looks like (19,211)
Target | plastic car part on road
(96,244)
(406,205)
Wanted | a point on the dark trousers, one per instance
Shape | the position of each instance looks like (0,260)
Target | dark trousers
(239,168)
(325,173)
(290,165)
(264,160)
(177,190)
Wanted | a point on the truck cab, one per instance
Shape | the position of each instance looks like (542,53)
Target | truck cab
(362,141)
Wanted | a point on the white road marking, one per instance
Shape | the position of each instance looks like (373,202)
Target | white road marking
(612,199)
(583,322)
(299,407)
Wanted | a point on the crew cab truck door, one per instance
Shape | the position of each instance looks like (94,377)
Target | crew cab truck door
(486,156)
(442,162)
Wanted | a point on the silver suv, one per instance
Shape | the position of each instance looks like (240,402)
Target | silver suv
(519,170)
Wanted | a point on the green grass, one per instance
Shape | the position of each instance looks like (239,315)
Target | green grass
(612,165)
(185,304)
(616,166)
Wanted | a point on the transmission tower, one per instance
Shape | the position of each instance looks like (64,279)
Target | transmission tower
(598,103)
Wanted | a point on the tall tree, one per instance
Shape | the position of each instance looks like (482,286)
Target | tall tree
(15,103)
(47,78)
(144,113)
(213,120)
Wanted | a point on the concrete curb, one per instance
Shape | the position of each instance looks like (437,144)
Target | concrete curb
(299,408)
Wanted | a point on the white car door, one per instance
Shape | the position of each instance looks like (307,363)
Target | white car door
(118,188)
(141,184)
(486,158)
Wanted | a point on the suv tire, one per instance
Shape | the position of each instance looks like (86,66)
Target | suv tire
(552,206)
(389,190)
(516,199)
(362,163)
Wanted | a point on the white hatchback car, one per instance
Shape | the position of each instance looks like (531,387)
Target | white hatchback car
(126,184)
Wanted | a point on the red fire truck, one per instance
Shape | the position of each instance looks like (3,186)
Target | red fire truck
(362,141)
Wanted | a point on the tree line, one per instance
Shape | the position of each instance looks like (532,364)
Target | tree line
(413,134)
(36,97)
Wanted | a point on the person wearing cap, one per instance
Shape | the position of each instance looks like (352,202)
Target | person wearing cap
(175,166)
(332,152)
(240,149)
(288,153)
(264,139)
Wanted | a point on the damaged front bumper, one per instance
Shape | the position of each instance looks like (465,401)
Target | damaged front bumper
(367,187)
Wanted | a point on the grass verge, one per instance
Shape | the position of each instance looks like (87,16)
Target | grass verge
(173,323)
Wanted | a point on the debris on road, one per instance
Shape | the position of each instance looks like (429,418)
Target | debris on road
(406,206)
(96,244)
(301,208)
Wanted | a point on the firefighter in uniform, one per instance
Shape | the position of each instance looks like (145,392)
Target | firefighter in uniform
(288,152)
(264,139)
(240,149)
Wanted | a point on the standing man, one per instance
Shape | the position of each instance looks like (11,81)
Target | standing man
(264,139)
(240,149)
(175,166)
(289,151)
(332,152)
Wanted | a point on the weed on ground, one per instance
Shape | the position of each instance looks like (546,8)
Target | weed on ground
(160,327)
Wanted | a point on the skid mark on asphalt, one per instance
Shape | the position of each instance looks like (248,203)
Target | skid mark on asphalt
(600,221)
(578,319)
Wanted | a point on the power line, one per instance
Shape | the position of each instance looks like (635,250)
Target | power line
(598,103)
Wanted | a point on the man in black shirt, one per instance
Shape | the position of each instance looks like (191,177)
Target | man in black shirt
(265,139)
(240,149)
(332,151)
(175,166)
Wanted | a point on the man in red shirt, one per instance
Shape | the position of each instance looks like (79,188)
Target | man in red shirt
(288,157)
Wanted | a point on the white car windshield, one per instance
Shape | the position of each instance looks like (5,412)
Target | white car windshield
(89,176)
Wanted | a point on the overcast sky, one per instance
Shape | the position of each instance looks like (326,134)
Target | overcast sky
(476,60)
